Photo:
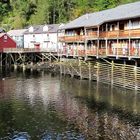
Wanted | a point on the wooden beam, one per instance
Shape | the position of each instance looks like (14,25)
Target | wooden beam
(1,59)
(129,38)
(106,41)
(117,38)
(98,35)
(85,43)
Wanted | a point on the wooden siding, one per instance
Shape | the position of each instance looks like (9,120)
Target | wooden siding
(6,42)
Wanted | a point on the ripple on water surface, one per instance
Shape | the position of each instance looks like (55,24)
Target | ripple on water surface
(37,106)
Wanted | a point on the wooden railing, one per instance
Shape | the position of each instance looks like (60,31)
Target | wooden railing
(124,33)
(102,51)
(72,38)
(20,50)
(91,52)
(121,52)
(109,34)
(103,34)
(122,75)
(93,34)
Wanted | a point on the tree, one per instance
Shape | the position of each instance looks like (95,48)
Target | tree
(19,13)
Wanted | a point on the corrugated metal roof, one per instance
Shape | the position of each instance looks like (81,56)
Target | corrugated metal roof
(16,32)
(94,19)
(52,28)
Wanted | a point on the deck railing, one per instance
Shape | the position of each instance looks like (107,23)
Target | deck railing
(72,38)
(121,75)
(121,52)
(16,50)
(102,34)
(109,51)
(92,34)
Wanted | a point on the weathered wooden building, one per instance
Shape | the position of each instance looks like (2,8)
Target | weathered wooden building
(109,33)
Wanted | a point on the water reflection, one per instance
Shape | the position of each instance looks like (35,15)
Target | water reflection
(36,105)
(115,114)
(21,136)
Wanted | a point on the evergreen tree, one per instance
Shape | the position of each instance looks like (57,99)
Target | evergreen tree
(20,13)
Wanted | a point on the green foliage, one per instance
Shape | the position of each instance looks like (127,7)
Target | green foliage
(20,13)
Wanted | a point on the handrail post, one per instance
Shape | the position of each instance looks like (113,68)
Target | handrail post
(89,68)
(129,54)
(85,43)
(112,71)
(117,39)
(124,77)
(106,42)
(106,46)
(97,54)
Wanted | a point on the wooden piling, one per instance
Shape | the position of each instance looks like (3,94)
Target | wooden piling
(80,69)
(97,73)
(6,59)
(124,76)
(112,71)
(135,75)
(15,66)
(89,70)
(1,59)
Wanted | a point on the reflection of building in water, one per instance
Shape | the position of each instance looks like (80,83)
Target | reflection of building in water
(6,85)
(38,90)
(96,117)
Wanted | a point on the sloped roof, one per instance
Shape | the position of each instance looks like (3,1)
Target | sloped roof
(52,28)
(94,19)
(16,32)
(2,34)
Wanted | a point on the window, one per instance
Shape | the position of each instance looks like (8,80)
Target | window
(46,38)
(5,37)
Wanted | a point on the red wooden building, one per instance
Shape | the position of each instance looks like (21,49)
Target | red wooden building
(6,42)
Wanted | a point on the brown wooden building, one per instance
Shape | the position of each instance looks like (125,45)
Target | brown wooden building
(109,33)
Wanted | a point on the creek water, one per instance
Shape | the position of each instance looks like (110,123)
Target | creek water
(37,105)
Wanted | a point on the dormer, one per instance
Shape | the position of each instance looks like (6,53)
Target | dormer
(45,28)
(31,29)
(61,25)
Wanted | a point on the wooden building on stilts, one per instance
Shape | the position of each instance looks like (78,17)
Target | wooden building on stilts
(111,35)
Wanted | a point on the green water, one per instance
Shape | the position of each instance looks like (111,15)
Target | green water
(38,105)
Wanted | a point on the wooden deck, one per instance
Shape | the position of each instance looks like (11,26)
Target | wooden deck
(102,52)
(27,50)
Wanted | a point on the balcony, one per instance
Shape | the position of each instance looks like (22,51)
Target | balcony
(109,34)
(102,34)
(93,34)
(115,34)
(76,38)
